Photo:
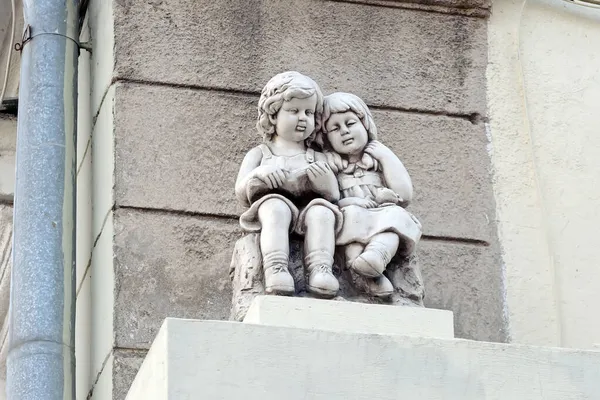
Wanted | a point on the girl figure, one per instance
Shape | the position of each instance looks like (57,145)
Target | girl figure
(289,187)
(375,187)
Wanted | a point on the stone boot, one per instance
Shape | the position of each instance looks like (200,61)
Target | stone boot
(373,260)
(380,287)
(321,280)
(278,279)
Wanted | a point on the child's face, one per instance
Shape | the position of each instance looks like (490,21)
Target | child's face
(346,133)
(296,119)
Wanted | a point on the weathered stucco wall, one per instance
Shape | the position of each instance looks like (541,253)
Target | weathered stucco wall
(174,90)
(8,141)
(8,137)
(544,92)
(84,244)
(6,228)
(6,21)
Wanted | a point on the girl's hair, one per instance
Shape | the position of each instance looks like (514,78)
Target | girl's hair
(284,87)
(339,102)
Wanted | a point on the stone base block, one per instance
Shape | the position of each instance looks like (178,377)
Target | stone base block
(350,317)
(248,280)
(228,360)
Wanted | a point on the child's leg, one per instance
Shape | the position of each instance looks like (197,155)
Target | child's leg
(377,254)
(352,251)
(379,286)
(319,246)
(275,218)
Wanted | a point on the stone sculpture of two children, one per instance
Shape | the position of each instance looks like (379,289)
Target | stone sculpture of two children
(350,194)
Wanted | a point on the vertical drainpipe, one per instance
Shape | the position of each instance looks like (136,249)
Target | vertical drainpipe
(41,359)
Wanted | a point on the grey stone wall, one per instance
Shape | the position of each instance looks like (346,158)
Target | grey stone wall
(187,77)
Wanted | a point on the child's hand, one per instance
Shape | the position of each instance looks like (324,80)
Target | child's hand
(335,161)
(366,203)
(378,150)
(318,170)
(321,177)
(273,177)
(385,195)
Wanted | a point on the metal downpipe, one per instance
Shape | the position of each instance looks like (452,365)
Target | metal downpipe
(41,359)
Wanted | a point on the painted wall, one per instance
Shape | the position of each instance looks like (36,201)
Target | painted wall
(8,140)
(6,46)
(8,136)
(544,99)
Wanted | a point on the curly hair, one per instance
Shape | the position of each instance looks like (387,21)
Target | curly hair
(340,102)
(284,87)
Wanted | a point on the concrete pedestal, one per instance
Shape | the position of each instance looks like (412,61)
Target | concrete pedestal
(193,359)
(345,316)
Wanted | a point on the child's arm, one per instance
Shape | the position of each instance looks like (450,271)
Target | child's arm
(270,176)
(395,174)
(323,179)
(250,163)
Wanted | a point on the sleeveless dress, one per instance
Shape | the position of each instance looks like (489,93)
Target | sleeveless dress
(361,224)
(296,192)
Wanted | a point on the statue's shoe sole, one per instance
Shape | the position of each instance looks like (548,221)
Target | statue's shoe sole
(382,295)
(280,290)
(324,293)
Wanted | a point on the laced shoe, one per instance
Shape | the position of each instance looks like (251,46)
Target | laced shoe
(278,280)
(322,282)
